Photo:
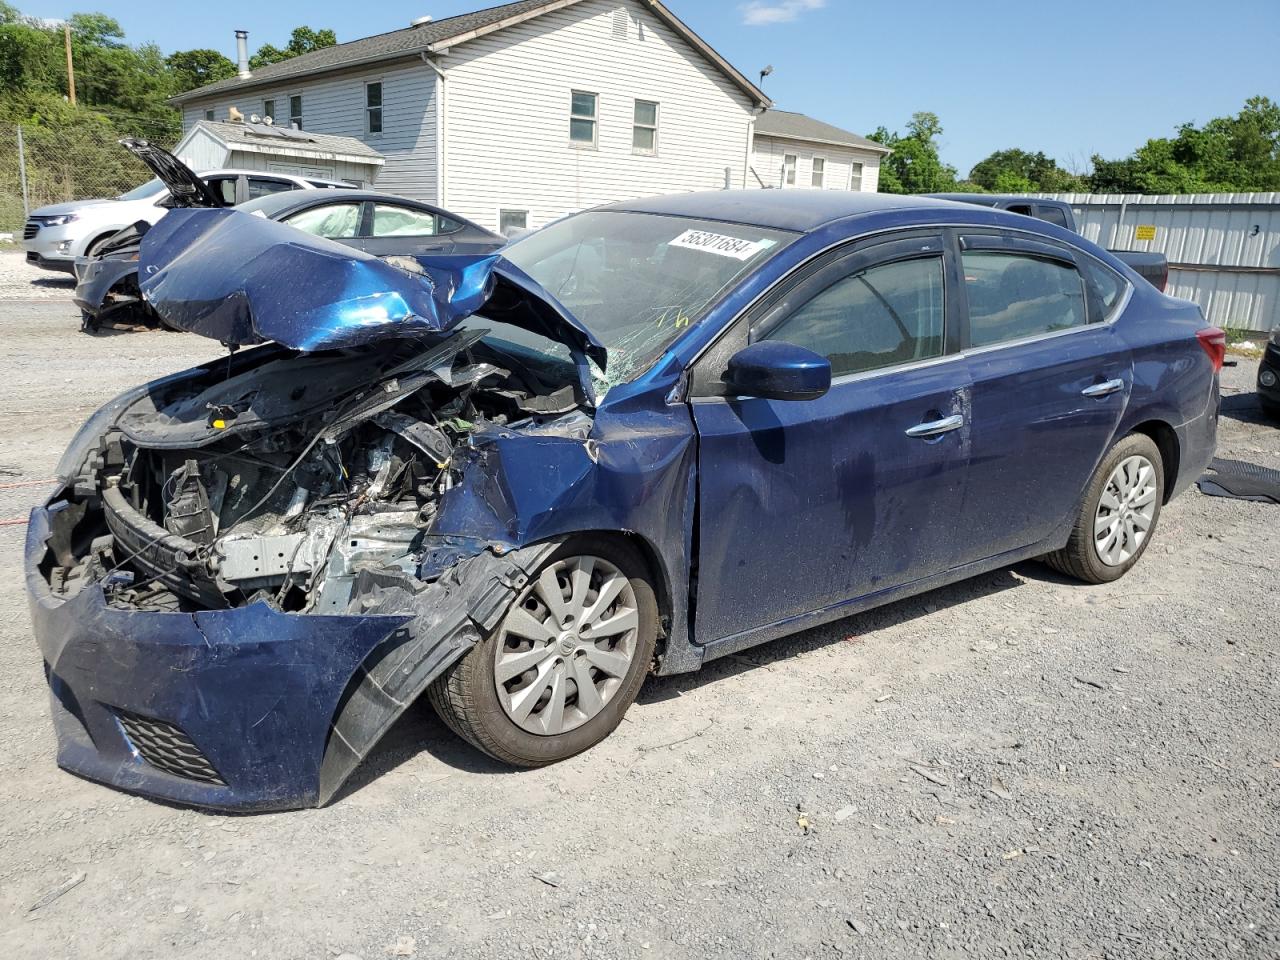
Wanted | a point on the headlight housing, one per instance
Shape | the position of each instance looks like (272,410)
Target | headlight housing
(60,219)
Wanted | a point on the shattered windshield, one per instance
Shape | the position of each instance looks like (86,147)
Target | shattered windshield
(636,280)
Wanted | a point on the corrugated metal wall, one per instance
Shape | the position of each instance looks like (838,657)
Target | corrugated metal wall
(1223,248)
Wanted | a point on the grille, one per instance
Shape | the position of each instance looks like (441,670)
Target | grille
(167,748)
(30,230)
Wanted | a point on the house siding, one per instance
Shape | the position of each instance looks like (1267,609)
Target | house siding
(336,105)
(508,99)
(767,154)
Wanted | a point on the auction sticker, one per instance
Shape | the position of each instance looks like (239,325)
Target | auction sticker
(720,245)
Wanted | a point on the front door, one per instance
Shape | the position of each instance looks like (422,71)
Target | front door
(805,504)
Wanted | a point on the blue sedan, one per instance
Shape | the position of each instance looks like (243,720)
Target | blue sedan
(641,438)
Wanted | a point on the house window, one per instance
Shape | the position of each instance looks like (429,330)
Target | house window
(208,114)
(509,221)
(644,132)
(819,170)
(582,119)
(269,110)
(789,170)
(373,107)
(855,176)
(295,111)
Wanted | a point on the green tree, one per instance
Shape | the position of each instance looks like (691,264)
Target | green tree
(1019,171)
(195,68)
(914,166)
(1227,155)
(302,40)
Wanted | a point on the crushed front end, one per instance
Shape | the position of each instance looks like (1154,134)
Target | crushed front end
(240,585)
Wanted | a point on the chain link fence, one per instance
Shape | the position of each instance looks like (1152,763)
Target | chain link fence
(41,164)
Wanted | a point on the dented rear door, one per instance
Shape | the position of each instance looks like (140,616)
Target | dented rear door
(806,504)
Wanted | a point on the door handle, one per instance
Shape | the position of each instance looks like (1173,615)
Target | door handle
(935,427)
(1103,389)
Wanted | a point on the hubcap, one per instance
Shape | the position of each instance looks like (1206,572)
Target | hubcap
(1126,511)
(565,645)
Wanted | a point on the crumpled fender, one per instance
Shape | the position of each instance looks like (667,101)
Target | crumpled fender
(449,617)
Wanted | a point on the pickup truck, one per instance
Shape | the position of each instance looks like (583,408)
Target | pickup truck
(1154,267)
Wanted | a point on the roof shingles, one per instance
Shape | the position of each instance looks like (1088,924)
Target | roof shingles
(381,46)
(237,134)
(797,126)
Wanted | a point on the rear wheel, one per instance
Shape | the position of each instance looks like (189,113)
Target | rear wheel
(564,664)
(1117,515)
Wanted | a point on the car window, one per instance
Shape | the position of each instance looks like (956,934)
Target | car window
(877,317)
(393,221)
(224,187)
(1014,295)
(262,186)
(336,221)
(1106,289)
(1052,215)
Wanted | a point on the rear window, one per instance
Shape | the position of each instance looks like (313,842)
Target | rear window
(1012,296)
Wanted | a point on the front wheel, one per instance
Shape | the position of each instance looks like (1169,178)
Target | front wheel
(1117,515)
(564,664)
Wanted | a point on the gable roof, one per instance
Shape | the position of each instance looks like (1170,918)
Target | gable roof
(437,36)
(260,138)
(797,126)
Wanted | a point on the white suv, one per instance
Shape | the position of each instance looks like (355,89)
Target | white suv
(55,235)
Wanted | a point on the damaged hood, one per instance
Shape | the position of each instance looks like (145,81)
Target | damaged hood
(241,279)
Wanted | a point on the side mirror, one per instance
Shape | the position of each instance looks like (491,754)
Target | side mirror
(778,371)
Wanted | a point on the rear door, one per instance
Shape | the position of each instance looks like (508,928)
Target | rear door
(805,504)
(1050,377)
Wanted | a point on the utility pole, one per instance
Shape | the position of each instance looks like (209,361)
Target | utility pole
(71,70)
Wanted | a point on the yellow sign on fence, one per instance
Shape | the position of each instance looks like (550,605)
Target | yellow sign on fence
(1144,231)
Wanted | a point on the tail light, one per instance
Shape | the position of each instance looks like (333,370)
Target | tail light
(1214,342)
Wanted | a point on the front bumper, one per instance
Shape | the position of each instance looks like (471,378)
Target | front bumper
(96,277)
(53,248)
(228,709)
(51,263)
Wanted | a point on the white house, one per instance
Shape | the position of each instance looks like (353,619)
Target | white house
(211,144)
(516,115)
(792,150)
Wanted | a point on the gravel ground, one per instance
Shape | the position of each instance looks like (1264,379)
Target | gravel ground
(21,281)
(1013,766)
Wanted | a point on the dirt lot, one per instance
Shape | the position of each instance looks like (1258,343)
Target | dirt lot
(1103,771)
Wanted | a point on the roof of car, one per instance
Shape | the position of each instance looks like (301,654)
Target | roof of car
(798,210)
(276,204)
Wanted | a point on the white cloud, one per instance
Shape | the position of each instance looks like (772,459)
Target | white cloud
(759,13)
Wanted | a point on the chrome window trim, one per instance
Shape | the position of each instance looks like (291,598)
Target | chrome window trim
(1109,320)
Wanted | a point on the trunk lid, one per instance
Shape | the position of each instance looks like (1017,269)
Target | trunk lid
(187,189)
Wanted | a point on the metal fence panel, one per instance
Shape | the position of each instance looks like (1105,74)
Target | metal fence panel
(1223,248)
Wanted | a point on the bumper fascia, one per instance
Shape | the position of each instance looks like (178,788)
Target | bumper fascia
(254,689)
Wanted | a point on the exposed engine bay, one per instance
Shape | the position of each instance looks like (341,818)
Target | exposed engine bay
(289,478)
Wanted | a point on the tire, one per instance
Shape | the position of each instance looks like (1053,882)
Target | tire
(1083,556)
(1269,408)
(467,697)
(92,249)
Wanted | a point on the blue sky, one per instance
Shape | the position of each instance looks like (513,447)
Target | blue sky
(1069,79)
